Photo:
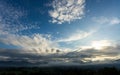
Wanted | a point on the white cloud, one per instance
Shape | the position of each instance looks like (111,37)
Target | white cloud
(76,36)
(10,27)
(115,21)
(37,43)
(10,19)
(10,24)
(106,20)
(90,55)
(101,58)
(106,52)
(99,45)
(3,58)
(66,10)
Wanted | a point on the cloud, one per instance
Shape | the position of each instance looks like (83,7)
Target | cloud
(67,10)
(101,56)
(10,32)
(106,20)
(88,56)
(37,43)
(101,44)
(11,26)
(41,49)
(76,36)
(10,19)
(103,51)
(16,57)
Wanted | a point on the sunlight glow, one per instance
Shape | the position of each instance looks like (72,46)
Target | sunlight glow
(100,44)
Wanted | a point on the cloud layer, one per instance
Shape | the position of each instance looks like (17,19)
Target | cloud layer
(106,20)
(109,54)
(76,36)
(66,10)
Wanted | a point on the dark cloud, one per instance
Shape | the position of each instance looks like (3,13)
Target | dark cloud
(109,54)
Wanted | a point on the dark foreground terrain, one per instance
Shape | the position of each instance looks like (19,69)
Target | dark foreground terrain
(58,71)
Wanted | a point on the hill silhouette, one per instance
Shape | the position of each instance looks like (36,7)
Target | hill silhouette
(58,71)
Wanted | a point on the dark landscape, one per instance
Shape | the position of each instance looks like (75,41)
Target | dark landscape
(58,71)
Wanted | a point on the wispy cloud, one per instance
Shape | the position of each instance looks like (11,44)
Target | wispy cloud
(10,19)
(106,20)
(76,36)
(37,43)
(66,10)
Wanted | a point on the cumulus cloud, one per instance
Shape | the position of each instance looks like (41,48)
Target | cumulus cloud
(66,10)
(106,20)
(76,36)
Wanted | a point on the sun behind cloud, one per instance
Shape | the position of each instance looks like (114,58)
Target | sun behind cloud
(100,44)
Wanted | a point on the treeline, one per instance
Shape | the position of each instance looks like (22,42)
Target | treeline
(58,71)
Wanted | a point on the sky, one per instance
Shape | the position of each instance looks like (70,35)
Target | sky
(60,31)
